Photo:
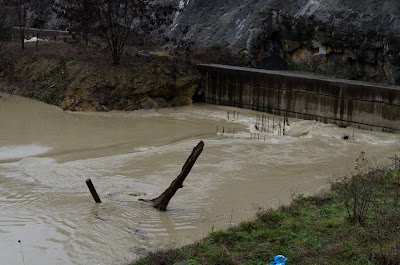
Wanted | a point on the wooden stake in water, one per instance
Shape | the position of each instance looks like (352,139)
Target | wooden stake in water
(353,134)
(93,191)
(223,129)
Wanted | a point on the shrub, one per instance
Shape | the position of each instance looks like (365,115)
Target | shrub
(359,190)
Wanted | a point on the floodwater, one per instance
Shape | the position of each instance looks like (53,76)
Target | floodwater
(46,155)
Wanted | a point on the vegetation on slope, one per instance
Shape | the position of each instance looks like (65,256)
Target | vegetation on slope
(356,222)
(79,78)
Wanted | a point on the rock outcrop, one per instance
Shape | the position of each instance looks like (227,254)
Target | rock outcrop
(348,39)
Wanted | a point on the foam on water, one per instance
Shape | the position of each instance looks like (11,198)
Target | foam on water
(22,151)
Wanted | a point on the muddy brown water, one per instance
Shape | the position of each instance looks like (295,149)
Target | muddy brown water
(46,155)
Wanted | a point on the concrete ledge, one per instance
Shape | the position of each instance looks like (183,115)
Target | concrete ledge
(344,102)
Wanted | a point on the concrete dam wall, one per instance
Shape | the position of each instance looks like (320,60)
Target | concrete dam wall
(342,102)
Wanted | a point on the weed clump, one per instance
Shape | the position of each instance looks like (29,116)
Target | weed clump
(359,191)
(270,217)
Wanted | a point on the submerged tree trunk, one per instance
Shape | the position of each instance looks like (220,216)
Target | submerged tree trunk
(161,202)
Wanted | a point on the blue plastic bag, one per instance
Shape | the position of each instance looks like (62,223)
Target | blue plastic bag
(279,260)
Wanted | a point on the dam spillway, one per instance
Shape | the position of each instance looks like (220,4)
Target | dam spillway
(358,104)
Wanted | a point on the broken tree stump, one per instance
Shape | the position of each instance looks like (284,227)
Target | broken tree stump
(161,202)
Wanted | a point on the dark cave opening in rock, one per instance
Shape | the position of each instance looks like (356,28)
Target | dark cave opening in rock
(199,96)
(274,55)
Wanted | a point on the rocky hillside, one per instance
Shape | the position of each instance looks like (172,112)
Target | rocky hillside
(355,39)
(350,39)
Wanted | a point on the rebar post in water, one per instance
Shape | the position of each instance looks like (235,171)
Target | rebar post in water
(273,124)
(262,120)
(93,191)
(265,123)
(284,125)
(22,252)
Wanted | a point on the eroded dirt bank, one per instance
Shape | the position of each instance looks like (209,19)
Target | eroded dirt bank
(87,84)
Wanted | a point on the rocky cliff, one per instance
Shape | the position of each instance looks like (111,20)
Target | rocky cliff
(351,39)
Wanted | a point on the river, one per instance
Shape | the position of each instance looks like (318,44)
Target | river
(46,155)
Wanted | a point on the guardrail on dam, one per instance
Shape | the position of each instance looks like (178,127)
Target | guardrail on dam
(342,102)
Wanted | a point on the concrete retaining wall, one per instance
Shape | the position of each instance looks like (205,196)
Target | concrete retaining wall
(343,102)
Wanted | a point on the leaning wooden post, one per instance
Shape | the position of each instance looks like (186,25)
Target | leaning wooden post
(93,191)
(161,202)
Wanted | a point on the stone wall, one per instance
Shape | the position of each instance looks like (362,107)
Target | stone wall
(342,102)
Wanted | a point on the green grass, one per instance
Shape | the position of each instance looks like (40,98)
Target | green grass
(311,230)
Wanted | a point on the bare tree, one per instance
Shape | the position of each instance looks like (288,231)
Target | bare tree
(20,13)
(5,24)
(181,50)
(40,11)
(115,21)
